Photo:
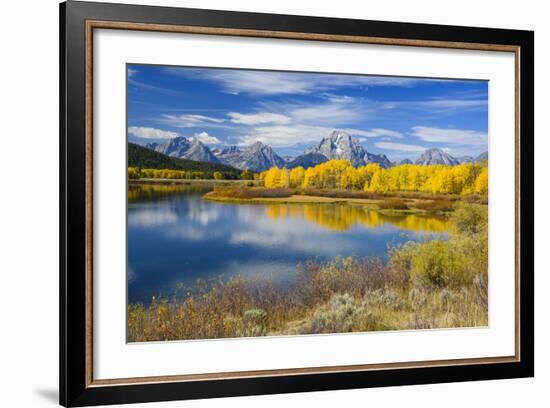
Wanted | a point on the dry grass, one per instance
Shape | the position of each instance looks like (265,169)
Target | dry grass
(393,204)
(344,295)
(404,200)
(429,284)
(249,193)
(341,194)
(438,205)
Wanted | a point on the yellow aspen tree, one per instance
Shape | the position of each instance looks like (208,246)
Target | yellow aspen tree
(482,181)
(297,176)
(284,178)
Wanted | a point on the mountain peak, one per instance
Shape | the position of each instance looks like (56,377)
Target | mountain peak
(175,147)
(340,145)
(199,152)
(183,148)
(436,156)
(257,157)
(258,146)
(338,135)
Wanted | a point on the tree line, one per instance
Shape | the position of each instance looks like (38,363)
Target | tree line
(466,178)
(138,173)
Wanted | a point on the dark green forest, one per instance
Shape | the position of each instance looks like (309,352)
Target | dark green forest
(143,158)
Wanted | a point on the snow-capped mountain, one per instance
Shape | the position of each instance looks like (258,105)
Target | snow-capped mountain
(227,152)
(340,145)
(256,157)
(175,147)
(437,156)
(482,157)
(259,156)
(199,152)
(182,148)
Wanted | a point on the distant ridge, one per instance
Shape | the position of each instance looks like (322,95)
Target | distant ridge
(139,156)
(482,157)
(184,148)
(437,156)
(307,160)
(257,157)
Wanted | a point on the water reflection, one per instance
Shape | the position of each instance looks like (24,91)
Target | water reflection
(341,217)
(175,237)
(143,192)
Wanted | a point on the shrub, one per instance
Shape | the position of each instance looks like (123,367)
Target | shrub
(470,219)
(436,262)
(453,262)
(336,317)
(255,321)
(383,297)
(134,172)
(435,205)
(393,204)
(417,297)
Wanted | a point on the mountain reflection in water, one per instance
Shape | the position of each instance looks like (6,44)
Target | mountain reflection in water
(176,237)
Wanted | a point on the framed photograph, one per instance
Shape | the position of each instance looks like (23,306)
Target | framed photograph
(256,204)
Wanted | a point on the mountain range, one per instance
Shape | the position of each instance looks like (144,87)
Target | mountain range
(146,158)
(260,157)
(182,148)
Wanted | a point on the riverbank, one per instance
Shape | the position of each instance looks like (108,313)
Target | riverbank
(401,203)
(193,182)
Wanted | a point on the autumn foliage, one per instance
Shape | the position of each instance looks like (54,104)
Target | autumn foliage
(466,178)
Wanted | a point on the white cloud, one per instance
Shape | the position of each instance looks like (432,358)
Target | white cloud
(151,133)
(206,138)
(456,103)
(279,136)
(439,105)
(132,72)
(452,136)
(376,132)
(258,118)
(285,136)
(278,83)
(186,121)
(400,147)
(328,114)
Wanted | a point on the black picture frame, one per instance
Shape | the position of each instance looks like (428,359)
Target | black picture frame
(75,389)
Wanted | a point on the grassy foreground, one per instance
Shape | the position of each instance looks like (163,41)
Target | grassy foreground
(430,284)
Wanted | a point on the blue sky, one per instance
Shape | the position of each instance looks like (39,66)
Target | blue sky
(291,111)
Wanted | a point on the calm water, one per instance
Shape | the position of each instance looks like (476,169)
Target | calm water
(174,237)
